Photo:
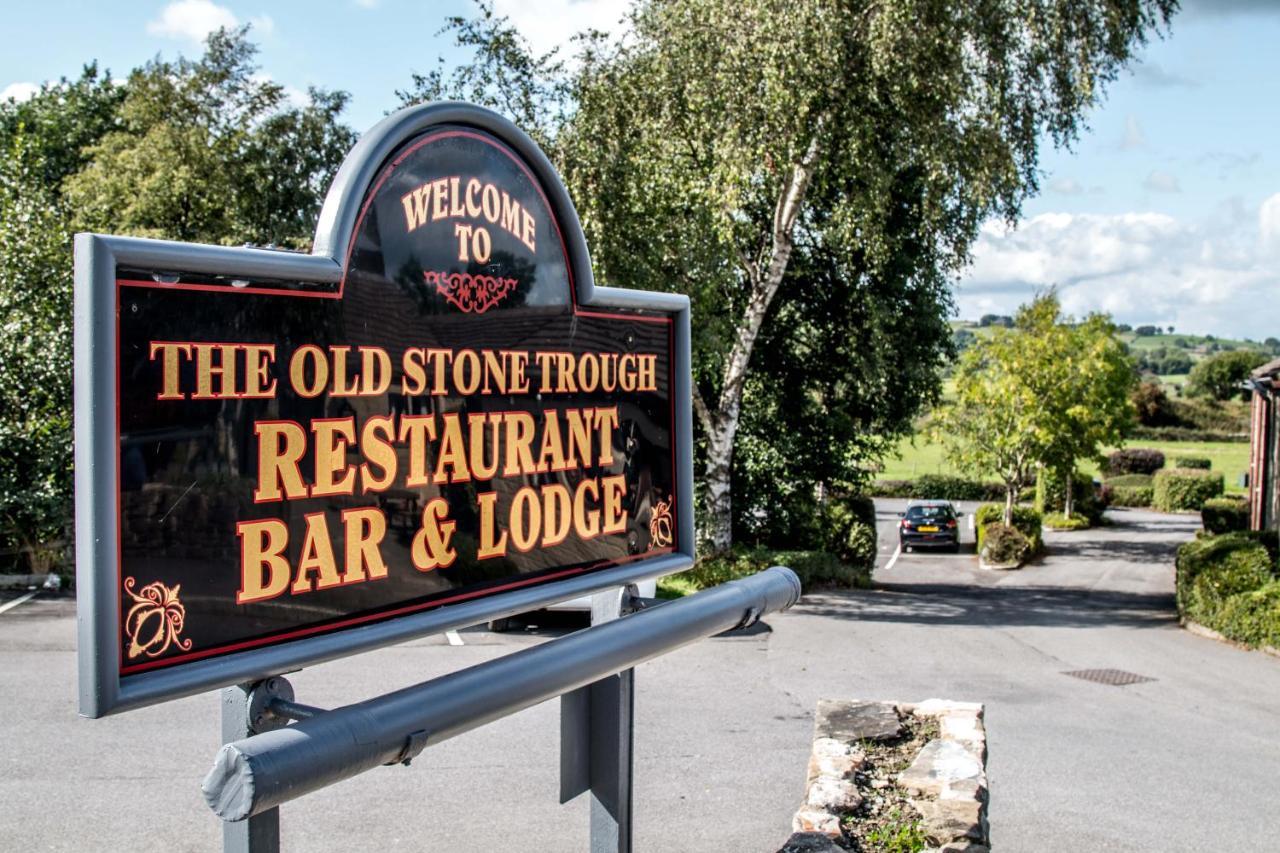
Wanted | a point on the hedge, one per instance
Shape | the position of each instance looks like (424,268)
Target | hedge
(850,525)
(1185,489)
(1004,545)
(1051,496)
(812,567)
(942,487)
(1184,434)
(1025,519)
(1198,462)
(1228,583)
(1137,460)
(1058,521)
(1129,480)
(1225,515)
(1131,496)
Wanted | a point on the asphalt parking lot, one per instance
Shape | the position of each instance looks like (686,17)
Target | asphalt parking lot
(1184,761)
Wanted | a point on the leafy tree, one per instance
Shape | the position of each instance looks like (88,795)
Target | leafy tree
(35,354)
(721,140)
(209,151)
(1220,376)
(1147,331)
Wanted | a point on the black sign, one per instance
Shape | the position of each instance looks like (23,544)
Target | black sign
(444,423)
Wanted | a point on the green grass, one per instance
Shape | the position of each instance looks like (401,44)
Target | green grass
(1231,459)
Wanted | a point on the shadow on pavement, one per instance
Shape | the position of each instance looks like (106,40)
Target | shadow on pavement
(958,604)
(1113,549)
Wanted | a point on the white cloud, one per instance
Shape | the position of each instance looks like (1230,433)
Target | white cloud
(1133,135)
(1213,276)
(1065,186)
(1161,182)
(549,24)
(191,20)
(19,91)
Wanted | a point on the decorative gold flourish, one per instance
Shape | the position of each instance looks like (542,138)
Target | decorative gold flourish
(660,524)
(472,294)
(157,603)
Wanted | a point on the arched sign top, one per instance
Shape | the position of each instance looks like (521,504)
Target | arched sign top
(432,420)
(464,197)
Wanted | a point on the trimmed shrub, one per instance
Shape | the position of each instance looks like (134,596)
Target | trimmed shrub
(1253,617)
(1185,489)
(1004,545)
(1225,515)
(1051,496)
(1197,462)
(1132,496)
(943,487)
(1185,434)
(812,567)
(1025,519)
(850,527)
(1129,480)
(1137,460)
(1058,521)
(1212,569)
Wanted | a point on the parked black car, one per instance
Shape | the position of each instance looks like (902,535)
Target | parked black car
(929,523)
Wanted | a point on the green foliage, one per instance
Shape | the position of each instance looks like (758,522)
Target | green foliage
(1025,519)
(1048,391)
(850,527)
(1225,515)
(1130,480)
(1184,434)
(1058,521)
(898,833)
(1134,460)
(1185,489)
(813,178)
(1050,496)
(1226,583)
(944,487)
(1132,496)
(812,567)
(1199,462)
(1219,377)
(209,151)
(35,357)
(1003,545)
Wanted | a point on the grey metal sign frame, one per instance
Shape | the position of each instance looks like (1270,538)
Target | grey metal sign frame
(97,454)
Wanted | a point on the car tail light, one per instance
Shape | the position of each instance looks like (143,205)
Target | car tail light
(951,524)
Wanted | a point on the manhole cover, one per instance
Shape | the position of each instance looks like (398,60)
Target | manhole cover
(1114,677)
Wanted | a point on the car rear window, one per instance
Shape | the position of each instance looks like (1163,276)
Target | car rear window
(929,513)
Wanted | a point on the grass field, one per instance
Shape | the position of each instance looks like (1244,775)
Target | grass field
(1231,459)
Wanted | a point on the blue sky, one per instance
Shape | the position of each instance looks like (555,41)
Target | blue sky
(1167,210)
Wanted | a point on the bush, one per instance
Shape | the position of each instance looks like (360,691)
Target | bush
(943,487)
(1025,519)
(1129,480)
(1213,569)
(850,523)
(1185,434)
(1051,496)
(1137,460)
(1004,545)
(812,567)
(1185,489)
(1132,496)
(1058,521)
(1225,515)
(1197,462)
(1253,617)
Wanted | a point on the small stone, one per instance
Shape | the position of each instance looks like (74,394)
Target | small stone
(810,842)
(836,795)
(879,783)
(815,820)
(854,721)
(939,763)
(948,820)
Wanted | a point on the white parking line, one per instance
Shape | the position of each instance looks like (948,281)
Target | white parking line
(12,604)
(453,638)
(897,552)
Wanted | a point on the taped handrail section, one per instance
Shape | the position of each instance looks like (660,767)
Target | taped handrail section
(258,773)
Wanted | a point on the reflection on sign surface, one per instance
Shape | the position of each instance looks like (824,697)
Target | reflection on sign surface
(444,424)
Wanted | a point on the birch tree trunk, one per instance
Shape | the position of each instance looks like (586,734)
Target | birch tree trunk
(721,423)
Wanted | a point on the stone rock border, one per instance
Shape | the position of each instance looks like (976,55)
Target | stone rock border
(1207,632)
(945,782)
